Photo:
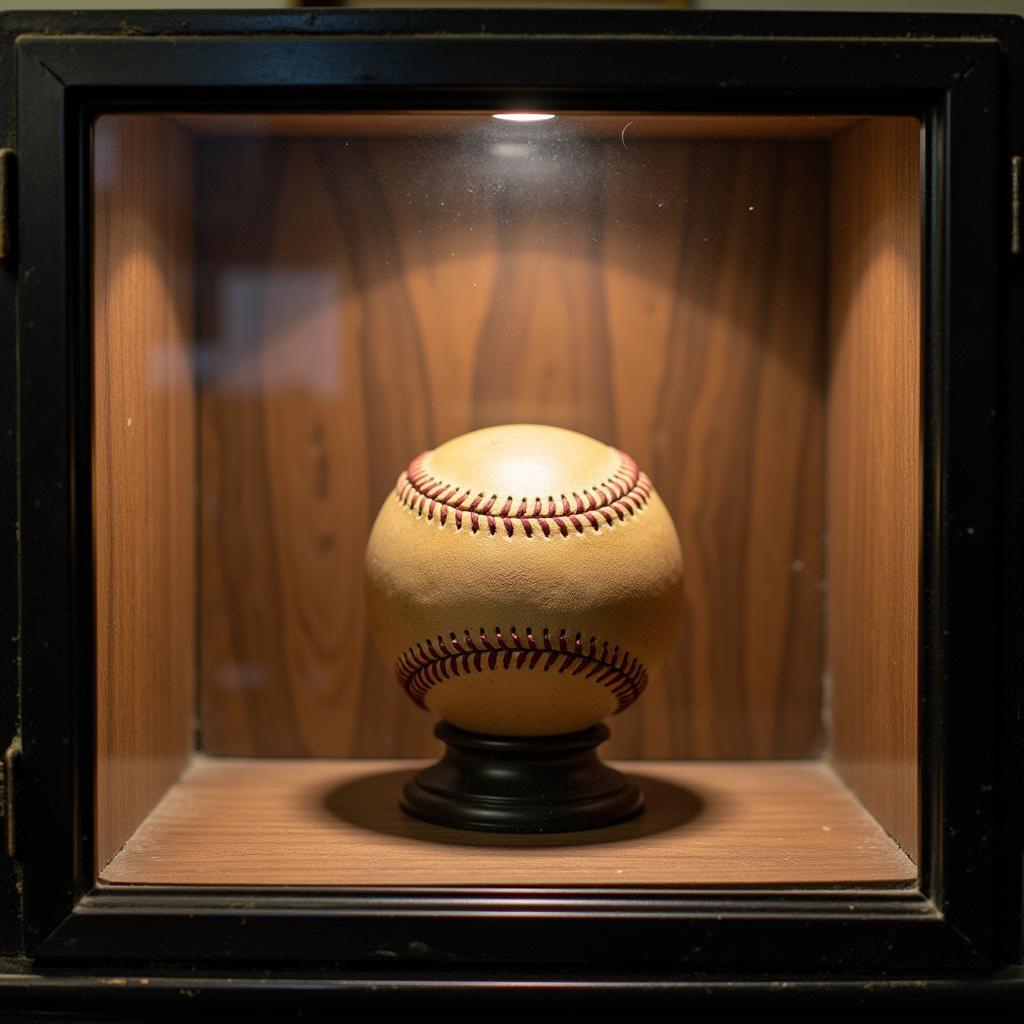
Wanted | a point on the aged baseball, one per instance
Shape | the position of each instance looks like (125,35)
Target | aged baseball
(524,580)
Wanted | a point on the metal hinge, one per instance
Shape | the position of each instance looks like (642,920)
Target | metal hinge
(8,212)
(8,794)
(1015,199)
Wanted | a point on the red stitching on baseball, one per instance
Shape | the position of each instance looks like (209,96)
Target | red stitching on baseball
(624,493)
(419,670)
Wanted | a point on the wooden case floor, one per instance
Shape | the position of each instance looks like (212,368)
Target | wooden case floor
(237,821)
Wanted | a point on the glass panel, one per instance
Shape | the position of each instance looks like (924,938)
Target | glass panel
(290,308)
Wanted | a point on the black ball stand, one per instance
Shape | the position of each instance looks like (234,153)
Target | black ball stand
(525,784)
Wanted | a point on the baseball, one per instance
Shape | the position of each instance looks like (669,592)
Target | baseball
(524,580)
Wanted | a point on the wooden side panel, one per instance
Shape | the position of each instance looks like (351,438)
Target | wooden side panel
(145,468)
(874,467)
(364,299)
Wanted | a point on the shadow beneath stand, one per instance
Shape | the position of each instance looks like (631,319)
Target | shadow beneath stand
(371,802)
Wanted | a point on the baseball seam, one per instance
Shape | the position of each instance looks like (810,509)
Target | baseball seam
(624,493)
(423,665)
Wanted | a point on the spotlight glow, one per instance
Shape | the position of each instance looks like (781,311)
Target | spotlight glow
(524,117)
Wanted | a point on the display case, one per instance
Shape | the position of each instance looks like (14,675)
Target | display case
(253,265)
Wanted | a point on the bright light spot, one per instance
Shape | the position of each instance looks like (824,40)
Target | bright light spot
(524,118)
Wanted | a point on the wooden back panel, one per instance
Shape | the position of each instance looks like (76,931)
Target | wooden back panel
(874,467)
(364,299)
(144,479)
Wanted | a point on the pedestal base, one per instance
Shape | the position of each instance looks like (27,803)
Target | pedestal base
(524,784)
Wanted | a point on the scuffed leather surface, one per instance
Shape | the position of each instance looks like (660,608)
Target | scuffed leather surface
(620,583)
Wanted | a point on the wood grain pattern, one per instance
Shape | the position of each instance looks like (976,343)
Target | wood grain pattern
(362,300)
(338,823)
(144,469)
(874,468)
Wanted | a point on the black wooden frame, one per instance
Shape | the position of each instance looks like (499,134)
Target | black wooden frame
(959,75)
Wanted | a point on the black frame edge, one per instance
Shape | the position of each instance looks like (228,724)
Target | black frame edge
(1008,855)
(46,509)
(81,992)
(894,25)
(11,938)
